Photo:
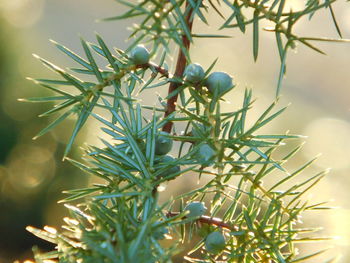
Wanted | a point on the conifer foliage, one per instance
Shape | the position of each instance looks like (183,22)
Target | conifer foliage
(234,214)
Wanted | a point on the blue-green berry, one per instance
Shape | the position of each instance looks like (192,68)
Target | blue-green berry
(160,232)
(194,73)
(163,143)
(196,209)
(205,154)
(165,161)
(199,130)
(219,82)
(140,55)
(215,242)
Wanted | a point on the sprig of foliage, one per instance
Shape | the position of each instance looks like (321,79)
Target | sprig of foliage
(250,217)
(164,20)
(83,103)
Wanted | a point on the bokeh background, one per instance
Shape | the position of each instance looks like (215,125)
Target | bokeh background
(32,175)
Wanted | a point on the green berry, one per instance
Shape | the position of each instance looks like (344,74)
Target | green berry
(160,232)
(199,130)
(205,154)
(194,73)
(163,144)
(219,82)
(196,209)
(140,55)
(215,242)
(166,161)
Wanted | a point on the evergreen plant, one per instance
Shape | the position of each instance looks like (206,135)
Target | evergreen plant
(236,214)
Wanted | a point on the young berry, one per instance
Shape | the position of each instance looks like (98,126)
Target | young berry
(163,143)
(205,154)
(220,82)
(194,73)
(199,130)
(160,233)
(215,242)
(165,161)
(140,55)
(196,209)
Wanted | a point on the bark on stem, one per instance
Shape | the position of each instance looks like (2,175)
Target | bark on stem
(179,70)
(171,106)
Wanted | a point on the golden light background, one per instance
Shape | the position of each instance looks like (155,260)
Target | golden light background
(317,86)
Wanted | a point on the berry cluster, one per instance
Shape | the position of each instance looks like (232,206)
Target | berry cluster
(216,84)
(163,146)
(215,241)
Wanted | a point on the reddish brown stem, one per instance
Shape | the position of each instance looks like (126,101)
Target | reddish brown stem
(164,72)
(179,70)
(210,221)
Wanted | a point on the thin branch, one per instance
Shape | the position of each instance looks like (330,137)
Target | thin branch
(209,220)
(180,68)
(153,66)
(159,69)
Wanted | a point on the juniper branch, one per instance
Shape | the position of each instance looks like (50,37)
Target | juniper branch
(180,68)
(127,219)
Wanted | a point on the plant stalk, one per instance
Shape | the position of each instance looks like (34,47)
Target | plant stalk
(209,220)
(179,70)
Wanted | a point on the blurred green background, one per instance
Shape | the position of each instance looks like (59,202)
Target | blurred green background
(32,175)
